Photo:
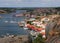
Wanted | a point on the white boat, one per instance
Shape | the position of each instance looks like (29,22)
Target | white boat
(6,21)
(13,22)
(25,28)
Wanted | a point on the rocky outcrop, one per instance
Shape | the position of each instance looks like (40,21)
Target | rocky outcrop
(15,39)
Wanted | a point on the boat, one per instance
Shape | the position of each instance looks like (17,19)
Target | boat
(18,15)
(6,21)
(21,23)
(25,28)
(13,22)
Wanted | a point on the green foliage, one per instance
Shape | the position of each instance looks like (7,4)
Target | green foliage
(39,39)
(29,22)
(37,18)
(8,10)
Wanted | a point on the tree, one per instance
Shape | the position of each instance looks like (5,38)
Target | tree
(39,39)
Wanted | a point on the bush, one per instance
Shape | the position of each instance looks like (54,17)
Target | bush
(39,39)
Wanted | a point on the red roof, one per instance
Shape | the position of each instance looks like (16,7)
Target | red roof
(39,29)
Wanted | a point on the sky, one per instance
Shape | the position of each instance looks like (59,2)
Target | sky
(29,3)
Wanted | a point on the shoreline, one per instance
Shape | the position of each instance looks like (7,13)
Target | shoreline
(15,39)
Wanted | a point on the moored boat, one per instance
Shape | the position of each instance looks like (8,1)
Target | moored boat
(6,21)
(13,22)
(21,24)
(25,28)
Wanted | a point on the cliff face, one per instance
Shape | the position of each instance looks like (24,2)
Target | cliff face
(53,30)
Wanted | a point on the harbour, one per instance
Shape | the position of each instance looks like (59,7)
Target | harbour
(9,25)
(35,24)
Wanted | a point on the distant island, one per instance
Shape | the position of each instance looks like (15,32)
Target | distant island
(9,10)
